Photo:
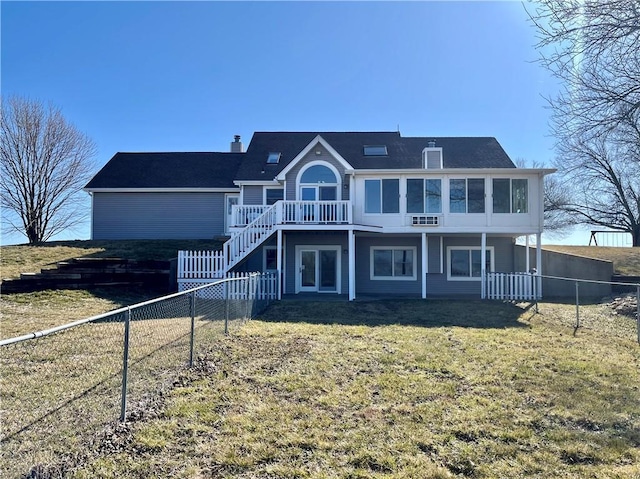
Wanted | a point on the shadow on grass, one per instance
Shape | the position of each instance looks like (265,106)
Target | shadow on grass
(407,312)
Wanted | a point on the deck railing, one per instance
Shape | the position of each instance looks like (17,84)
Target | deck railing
(316,212)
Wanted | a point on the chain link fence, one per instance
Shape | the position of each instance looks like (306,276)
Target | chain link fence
(606,306)
(61,386)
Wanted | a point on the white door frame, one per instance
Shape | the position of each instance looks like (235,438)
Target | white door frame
(227,214)
(317,249)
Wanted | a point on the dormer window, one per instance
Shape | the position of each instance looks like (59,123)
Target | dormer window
(273,158)
(432,158)
(375,150)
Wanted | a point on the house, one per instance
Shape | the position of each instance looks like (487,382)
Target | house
(353,213)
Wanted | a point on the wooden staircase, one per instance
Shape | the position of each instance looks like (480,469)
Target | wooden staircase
(216,264)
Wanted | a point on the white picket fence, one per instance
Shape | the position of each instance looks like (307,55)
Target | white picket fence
(512,286)
(205,265)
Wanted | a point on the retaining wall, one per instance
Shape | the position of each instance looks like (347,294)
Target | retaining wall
(567,266)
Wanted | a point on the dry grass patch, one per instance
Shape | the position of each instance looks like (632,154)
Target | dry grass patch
(30,259)
(397,389)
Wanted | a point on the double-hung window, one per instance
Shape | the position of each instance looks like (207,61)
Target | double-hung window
(382,196)
(394,263)
(424,196)
(466,195)
(464,263)
(510,195)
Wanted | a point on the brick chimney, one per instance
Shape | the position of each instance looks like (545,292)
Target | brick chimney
(236,145)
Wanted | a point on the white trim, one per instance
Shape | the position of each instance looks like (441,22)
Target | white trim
(283,254)
(413,277)
(161,190)
(91,232)
(318,139)
(226,212)
(352,264)
(424,246)
(256,182)
(468,248)
(317,249)
(455,171)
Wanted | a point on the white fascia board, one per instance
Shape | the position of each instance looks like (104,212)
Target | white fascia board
(161,190)
(318,139)
(458,171)
(273,182)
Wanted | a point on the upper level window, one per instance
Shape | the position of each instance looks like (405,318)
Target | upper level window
(510,195)
(375,150)
(466,195)
(271,195)
(318,174)
(382,196)
(273,158)
(424,195)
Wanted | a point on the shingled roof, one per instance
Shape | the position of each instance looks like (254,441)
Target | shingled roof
(458,152)
(219,170)
(168,170)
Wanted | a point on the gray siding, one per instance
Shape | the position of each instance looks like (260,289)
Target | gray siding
(438,285)
(323,238)
(364,283)
(252,195)
(435,255)
(157,215)
(292,175)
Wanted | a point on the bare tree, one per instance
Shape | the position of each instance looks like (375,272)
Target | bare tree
(602,179)
(593,46)
(44,163)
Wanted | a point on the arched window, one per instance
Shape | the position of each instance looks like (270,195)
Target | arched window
(318,174)
(318,183)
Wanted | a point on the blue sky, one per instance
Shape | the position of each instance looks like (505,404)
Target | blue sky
(187,76)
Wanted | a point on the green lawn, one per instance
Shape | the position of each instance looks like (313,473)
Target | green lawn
(394,389)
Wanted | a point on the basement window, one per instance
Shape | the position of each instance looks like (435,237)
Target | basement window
(273,158)
(375,150)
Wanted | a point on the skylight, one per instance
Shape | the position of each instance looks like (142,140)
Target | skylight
(375,150)
(273,158)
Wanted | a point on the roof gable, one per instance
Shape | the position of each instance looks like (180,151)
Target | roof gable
(312,144)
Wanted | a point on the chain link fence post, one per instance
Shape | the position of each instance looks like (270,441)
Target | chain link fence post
(577,305)
(193,328)
(226,308)
(125,365)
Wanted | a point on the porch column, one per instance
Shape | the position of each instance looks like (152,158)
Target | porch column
(352,265)
(279,254)
(424,265)
(539,262)
(527,259)
(483,262)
